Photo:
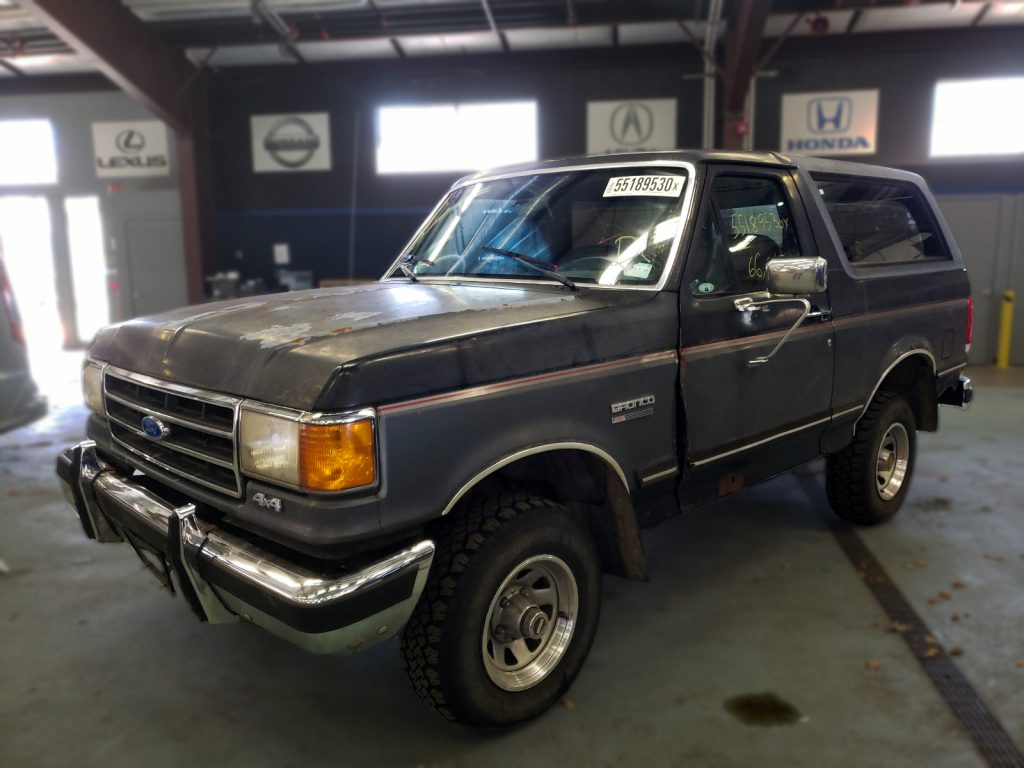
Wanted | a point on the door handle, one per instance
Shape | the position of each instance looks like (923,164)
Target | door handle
(821,315)
(747,304)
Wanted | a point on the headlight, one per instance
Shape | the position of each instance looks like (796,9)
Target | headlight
(92,388)
(317,454)
(269,446)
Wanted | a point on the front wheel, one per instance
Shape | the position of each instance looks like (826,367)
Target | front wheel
(867,481)
(508,613)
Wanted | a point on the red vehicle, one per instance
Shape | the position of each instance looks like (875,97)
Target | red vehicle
(20,401)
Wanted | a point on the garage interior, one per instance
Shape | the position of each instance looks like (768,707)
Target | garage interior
(146,164)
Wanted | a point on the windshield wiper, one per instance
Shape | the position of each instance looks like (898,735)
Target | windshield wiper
(405,266)
(540,266)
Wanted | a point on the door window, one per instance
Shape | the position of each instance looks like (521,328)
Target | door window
(748,223)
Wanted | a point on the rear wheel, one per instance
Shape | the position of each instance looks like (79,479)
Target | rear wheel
(868,480)
(508,614)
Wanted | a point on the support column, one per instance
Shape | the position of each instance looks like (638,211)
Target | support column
(746,30)
(195,184)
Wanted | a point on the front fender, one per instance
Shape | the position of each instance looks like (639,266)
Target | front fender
(437,448)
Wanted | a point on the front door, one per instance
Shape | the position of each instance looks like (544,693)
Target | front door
(748,217)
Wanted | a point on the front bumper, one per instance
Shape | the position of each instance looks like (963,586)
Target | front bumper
(224,577)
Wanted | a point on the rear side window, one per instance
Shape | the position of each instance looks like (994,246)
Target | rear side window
(881,222)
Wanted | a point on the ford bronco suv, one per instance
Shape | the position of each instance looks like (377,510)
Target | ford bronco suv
(564,354)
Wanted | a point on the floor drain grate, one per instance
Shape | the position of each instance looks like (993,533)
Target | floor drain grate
(992,741)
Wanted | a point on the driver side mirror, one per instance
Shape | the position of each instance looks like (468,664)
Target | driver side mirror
(798,276)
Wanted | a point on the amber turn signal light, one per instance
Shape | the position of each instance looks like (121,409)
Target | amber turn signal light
(336,457)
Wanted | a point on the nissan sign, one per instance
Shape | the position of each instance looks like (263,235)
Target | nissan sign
(843,123)
(135,148)
(630,126)
(283,143)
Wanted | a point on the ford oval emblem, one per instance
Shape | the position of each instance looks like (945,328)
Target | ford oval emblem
(155,428)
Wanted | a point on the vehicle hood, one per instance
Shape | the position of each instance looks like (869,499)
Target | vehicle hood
(354,346)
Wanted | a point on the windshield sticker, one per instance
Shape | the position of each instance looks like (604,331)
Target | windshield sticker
(640,270)
(656,186)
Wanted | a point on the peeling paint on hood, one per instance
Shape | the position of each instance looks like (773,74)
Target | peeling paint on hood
(277,335)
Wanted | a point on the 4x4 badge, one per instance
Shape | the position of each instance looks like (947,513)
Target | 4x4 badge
(636,408)
(267,502)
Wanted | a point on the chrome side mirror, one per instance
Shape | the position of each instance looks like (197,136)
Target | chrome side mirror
(799,276)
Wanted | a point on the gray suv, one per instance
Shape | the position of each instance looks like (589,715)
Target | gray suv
(20,402)
(564,354)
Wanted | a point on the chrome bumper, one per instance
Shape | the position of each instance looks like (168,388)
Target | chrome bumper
(961,395)
(224,577)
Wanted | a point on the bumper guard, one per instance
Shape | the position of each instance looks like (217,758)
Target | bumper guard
(224,577)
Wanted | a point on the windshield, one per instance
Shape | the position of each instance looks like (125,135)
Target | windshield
(612,227)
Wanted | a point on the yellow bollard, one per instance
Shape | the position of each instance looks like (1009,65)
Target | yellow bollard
(1005,331)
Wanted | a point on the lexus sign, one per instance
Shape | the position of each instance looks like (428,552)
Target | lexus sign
(839,123)
(630,126)
(129,149)
(283,143)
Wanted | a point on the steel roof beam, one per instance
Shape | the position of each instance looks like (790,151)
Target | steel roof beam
(10,67)
(128,52)
(139,62)
(373,21)
(742,50)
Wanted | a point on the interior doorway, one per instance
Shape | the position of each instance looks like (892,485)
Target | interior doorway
(26,234)
(89,269)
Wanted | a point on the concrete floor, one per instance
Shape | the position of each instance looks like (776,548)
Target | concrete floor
(749,595)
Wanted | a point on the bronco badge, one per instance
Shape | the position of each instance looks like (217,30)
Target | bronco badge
(636,408)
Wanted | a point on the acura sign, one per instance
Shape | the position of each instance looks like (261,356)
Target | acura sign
(630,126)
(135,148)
(282,143)
(843,123)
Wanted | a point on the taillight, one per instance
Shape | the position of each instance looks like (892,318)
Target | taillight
(970,320)
(10,308)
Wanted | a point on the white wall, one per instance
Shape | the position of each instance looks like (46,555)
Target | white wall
(72,115)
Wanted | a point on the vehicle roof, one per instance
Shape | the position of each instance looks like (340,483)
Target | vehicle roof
(698,156)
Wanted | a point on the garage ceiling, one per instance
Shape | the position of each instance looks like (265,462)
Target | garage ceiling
(226,33)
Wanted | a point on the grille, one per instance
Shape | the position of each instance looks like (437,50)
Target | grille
(200,441)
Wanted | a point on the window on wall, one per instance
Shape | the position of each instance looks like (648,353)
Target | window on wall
(28,154)
(455,137)
(978,117)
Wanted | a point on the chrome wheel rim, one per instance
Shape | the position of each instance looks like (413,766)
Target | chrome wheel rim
(892,462)
(530,623)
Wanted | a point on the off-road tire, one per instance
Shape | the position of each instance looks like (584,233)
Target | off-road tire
(850,474)
(479,545)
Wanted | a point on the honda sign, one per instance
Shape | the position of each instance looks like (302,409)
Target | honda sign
(843,123)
